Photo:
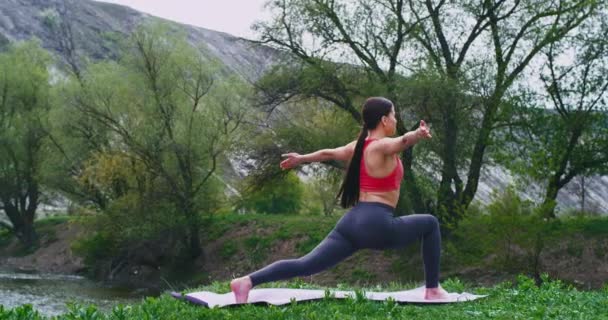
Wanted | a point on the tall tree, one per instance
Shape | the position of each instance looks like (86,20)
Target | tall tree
(371,34)
(24,106)
(76,136)
(569,138)
(389,38)
(170,107)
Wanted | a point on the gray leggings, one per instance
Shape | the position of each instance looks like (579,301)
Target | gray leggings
(368,225)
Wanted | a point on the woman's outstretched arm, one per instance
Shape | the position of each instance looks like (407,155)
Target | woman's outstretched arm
(400,143)
(343,153)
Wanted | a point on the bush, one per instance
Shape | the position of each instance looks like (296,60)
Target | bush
(94,248)
(283,194)
(513,233)
(321,189)
(5,237)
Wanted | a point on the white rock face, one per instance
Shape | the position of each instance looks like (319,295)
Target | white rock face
(569,197)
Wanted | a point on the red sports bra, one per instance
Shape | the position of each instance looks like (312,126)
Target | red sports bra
(388,183)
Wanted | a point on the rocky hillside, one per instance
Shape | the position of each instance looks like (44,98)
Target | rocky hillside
(95,24)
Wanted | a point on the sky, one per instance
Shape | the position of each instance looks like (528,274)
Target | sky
(231,16)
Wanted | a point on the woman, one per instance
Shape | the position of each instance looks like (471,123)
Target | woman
(372,186)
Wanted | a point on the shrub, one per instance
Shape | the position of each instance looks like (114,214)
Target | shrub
(283,194)
(511,231)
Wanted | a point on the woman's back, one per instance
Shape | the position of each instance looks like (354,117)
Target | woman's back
(380,176)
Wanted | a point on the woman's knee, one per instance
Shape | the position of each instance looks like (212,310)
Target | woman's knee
(431,221)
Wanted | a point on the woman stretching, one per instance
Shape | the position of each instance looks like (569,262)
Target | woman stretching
(371,186)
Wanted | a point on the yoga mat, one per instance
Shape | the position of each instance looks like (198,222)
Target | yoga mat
(280,296)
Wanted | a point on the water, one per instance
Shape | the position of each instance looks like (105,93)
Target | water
(49,293)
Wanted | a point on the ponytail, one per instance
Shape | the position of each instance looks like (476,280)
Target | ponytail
(349,191)
(374,109)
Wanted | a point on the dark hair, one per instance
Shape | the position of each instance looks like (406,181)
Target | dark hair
(374,109)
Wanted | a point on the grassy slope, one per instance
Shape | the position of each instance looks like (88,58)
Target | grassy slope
(246,242)
(241,243)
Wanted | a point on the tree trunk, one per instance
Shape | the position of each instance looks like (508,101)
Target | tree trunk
(450,186)
(410,189)
(556,182)
(583,194)
(479,150)
(23,225)
(550,196)
(195,249)
(192,239)
(27,235)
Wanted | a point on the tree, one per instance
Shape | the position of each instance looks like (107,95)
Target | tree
(77,137)
(376,46)
(322,189)
(172,109)
(389,38)
(24,105)
(569,138)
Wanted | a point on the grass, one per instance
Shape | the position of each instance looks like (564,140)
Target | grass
(310,230)
(523,300)
(52,221)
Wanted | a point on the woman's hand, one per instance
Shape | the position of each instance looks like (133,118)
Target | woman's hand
(293,159)
(423,131)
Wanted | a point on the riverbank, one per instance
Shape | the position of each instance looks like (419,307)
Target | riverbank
(50,294)
(54,254)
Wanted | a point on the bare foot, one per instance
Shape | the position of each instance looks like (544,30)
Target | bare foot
(240,287)
(435,293)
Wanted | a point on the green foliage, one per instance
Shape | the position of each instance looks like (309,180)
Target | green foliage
(511,234)
(314,126)
(455,89)
(79,312)
(362,276)
(4,42)
(5,237)
(307,230)
(595,227)
(95,248)
(23,312)
(301,127)
(429,94)
(219,224)
(229,248)
(567,138)
(25,102)
(52,221)
(145,137)
(257,248)
(136,209)
(320,191)
(284,194)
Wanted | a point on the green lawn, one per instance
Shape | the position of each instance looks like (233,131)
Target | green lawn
(524,300)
